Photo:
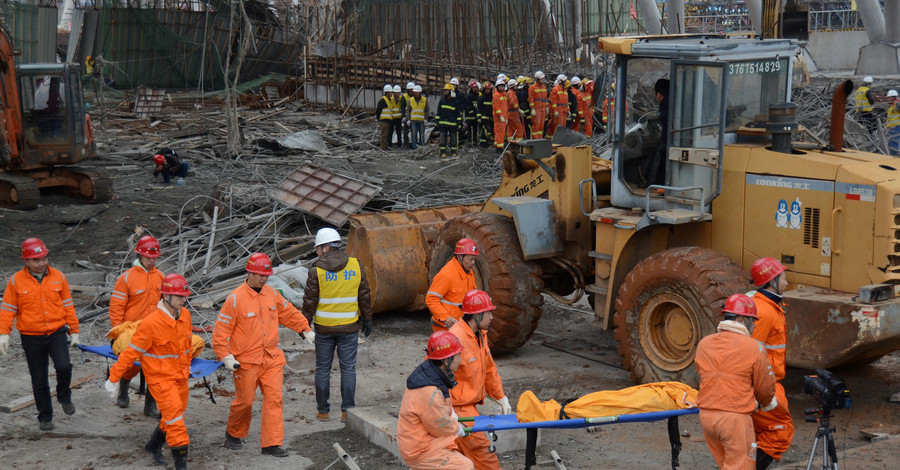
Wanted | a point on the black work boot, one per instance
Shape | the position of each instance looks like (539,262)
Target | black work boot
(150,405)
(122,400)
(180,454)
(763,460)
(154,446)
(232,442)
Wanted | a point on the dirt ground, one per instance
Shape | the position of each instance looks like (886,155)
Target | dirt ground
(567,357)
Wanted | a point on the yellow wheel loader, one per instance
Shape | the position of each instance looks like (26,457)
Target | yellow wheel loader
(661,233)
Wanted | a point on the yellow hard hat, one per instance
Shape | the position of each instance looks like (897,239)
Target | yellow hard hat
(448,87)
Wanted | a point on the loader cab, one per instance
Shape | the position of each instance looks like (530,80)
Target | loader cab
(717,85)
(53,118)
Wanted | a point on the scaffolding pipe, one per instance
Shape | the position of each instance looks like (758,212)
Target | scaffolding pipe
(675,16)
(872,18)
(892,22)
(650,13)
(755,8)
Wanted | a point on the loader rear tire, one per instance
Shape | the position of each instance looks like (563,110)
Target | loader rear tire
(515,285)
(666,304)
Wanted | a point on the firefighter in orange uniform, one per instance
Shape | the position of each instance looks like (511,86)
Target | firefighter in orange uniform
(500,106)
(775,428)
(539,104)
(427,426)
(515,128)
(245,338)
(587,87)
(559,105)
(134,297)
(477,376)
(162,344)
(578,122)
(735,376)
(450,285)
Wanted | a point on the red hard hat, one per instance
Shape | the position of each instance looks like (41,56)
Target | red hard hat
(147,246)
(764,270)
(476,301)
(34,248)
(259,263)
(175,284)
(473,84)
(159,159)
(740,304)
(443,344)
(466,246)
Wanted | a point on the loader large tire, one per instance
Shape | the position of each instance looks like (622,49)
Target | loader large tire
(666,305)
(515,285)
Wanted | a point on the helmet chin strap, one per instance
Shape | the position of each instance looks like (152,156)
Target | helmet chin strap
(445,369)
(176,312)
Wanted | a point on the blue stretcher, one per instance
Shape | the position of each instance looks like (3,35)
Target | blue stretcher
(491,423)
(199,367)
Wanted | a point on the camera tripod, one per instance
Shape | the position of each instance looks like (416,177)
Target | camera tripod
(825,434)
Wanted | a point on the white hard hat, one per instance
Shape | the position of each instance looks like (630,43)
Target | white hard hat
(561,78)
(512,82)
(327,235)
(892,93)
(417,89)
(868,79)
(575,80)
(410,85)
(397,89)
(454,81)
(388,88)
(538,75)
(501,76)
(500,82)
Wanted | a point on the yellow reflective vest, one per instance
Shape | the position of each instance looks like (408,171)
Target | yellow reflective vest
(388,112)
(338,303)
(417,108)
(395,108)
(893,116)
(861,100)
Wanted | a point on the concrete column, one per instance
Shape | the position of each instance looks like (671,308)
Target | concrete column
(873,19)
(755,8)
(892,22)
(650,13)
(675,16)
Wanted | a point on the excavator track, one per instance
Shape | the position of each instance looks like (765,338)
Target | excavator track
(19,192)
(93,185)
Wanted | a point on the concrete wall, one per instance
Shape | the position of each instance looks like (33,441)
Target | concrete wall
(836,50)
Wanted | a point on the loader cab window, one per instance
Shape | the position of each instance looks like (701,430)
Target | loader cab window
(44,108)
(752,87)
(638,122)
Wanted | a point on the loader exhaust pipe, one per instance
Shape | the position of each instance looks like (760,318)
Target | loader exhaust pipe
(838,109)
(782,123)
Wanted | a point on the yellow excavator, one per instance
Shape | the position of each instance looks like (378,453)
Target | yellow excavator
(657,256)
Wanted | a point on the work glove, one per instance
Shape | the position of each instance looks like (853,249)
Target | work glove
(502,119)
(309,336)
(461,432)
(367,328)
(73,340)
(532,113)
(505,409)
(230,363)
(4,344)
(112,389)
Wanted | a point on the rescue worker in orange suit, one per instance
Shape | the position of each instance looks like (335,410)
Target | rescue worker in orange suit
(477,376)
(559,105)
(427,426)
(449,286)
(134,297)
(775,428)
(515,128)
(587,87)
(162,344)
(539,104)
(245,338)
(500,107)
(578,120)
(735,378)
(38,300)
(338,300)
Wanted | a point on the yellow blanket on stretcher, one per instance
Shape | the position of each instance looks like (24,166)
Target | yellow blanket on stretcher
(122,336)
(660,396)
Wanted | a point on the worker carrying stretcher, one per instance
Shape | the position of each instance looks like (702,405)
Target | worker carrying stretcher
(450,285)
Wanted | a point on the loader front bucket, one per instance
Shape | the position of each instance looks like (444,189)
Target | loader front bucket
(394,249)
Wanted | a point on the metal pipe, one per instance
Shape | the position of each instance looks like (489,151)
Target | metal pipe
(756,10)
(892,22)
(838,109)
(873,19)
(675,16)
(650,13)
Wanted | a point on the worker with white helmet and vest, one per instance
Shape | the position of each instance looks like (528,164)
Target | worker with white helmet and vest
(864,104)
(338,301)
(893,123)
(405,111)
(398,112)
(416,106)
(245,338)
(384,112)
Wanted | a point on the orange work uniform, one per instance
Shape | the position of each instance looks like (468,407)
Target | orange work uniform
(134,297)
(559,108)
(162,344)
(427,424)
(247,327)
(476,377)
(734,375)
(588,128)
(500,106)
(539,104)
(445,295)
(38,308)
(580,106)
(775,428)
(516,127)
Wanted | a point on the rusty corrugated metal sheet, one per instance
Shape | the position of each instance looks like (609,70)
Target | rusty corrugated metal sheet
(319,192)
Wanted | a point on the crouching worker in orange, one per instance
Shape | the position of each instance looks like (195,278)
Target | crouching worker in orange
(477,376)
(162,344)
(450,285)
(735,377)
(245,338)
(428,426)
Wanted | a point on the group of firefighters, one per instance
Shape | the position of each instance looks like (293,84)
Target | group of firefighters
(487,113)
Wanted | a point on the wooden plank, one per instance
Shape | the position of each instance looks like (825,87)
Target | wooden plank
(24,402)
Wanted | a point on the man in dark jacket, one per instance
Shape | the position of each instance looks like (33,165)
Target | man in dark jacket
(338,302)
(448,117)
(522,95)
(486,116)
(169,165)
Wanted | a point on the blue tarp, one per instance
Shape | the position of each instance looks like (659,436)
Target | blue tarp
(199,367)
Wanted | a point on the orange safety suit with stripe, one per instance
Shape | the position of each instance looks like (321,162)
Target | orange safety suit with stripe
(588,127)
(500,106)
(427,425)
(445,295)
(516,127)
(578,122)
(775,428)
(559,108)
(247,327)
(162,344)
(38,308)
(734,375)
(134,297)
(540,105)
(476,377)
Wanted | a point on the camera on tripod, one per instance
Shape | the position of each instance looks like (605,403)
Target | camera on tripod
(829,389)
